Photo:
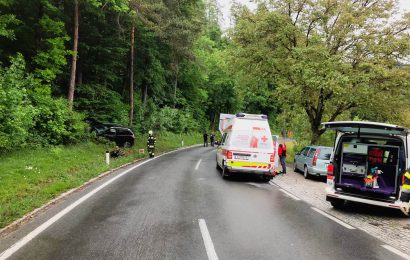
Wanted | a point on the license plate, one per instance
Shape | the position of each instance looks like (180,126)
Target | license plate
(241,157)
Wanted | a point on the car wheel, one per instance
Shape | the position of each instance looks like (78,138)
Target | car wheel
(337,203)
(127,144)
(305,172)
(295,168)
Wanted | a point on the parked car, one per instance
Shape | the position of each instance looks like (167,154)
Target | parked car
(368,164)
(246,146)
(313,160)
(122,136)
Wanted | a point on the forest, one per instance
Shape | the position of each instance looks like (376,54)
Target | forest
(166,65)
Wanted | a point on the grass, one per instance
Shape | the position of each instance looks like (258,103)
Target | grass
(31,178)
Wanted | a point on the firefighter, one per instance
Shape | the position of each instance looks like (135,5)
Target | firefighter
(212,138)
(282,156)
(405,193)
(205,139)
(151,144)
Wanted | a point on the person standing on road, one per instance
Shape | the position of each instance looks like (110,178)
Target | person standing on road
(205,139)
(212,139)
(282,156)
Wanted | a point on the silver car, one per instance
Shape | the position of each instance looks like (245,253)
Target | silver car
(313,160)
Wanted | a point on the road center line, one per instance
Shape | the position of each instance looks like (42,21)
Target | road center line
(30,236)
(289,194)
(333,218)
(397,252)
(209,246)
(197,165)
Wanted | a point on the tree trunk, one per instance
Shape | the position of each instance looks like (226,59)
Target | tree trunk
(213,122)
(71,87)
(175,89)
(145,95)
(315,136)
(131,89)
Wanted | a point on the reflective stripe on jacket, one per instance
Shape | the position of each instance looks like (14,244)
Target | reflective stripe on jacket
(406,182)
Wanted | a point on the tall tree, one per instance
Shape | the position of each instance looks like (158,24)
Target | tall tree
(71,87)
(327,57)
(131,88)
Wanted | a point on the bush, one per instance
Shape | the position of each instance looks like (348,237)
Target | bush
(173,120)
(55,124)
(15,109)
(30,115)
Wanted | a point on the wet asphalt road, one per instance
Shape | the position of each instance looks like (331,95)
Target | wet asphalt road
(153,211)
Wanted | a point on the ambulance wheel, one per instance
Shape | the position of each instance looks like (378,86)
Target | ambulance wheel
(225,172)
(306,172)
(337,203)
(217,166)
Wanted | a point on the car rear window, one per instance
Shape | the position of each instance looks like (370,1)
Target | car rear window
(312,152)
(325,153)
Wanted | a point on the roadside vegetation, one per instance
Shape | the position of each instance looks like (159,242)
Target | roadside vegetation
(167,66)
(31,177)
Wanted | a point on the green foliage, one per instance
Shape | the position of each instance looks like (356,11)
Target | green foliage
(5,22)
(327,58)
(29,115)
(54,123)
(173,120)
(52,59)
(15,108)
(101,103)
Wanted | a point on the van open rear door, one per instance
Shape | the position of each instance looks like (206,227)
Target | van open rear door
(360,127)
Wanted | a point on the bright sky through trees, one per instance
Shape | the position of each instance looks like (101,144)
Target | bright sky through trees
(225,6)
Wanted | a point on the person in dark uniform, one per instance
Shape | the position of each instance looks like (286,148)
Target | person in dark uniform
(212,138)
(205,139)
(151,144)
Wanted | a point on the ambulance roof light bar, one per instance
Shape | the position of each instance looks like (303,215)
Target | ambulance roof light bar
(251,116)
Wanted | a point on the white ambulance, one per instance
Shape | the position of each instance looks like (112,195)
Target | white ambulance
(246,146)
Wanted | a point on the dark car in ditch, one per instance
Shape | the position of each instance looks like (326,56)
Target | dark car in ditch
(122,136)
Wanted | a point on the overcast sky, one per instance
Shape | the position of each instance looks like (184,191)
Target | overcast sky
(225,6)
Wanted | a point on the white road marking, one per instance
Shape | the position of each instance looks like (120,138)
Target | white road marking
(397,252)
(289,194)
(197,165)
(338,221)
(209,246)
(273,184)
(254,184)
(30,236)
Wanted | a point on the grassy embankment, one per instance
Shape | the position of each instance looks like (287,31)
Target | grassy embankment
(30,178)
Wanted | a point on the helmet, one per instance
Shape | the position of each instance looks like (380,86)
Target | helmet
(150,132)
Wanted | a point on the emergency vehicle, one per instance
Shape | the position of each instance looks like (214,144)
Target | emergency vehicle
(368,165)
(246,146)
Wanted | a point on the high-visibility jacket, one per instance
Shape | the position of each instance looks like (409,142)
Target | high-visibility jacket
(406,182)
(282,150)
(405,188)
